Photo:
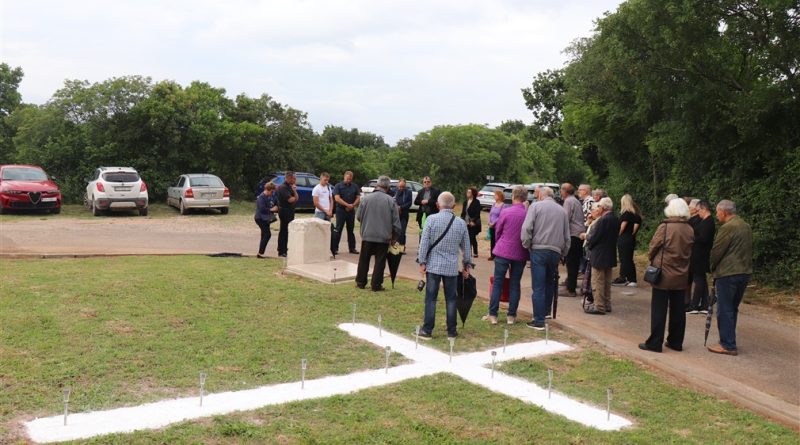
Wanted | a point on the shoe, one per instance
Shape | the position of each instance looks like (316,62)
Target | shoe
(592,309)
(535,325)
(474,255)
(718,349)
(334,253)
(631,284)
(608,309)
(452,335)
(619,282)
(548,317)
(378,289)
(643,347)
(490,318)
(260,256)
(282,255)
(702,311)
(361,286)
(511,319)
(689,309)
(354,252)
(491,258)
(423,335)
(693,311)
(674,348)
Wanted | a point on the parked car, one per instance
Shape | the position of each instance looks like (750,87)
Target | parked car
(199,191)
(415,187)
(116,188)
(28,187)
(305,184)
(486,194)
(532,191)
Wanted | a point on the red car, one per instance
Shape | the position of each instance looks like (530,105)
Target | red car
(27,187)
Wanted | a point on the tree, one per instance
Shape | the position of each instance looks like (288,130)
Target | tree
(10,99)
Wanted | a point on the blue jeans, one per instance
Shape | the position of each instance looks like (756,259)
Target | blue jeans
(544,265)
(431,291)
(730,291)
(501,266)
(321,215)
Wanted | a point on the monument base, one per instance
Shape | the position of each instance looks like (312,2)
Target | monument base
(336,271)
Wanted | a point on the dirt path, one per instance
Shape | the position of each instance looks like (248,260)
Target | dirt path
(765,377)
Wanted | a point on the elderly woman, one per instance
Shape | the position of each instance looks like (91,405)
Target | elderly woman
(266,206)
(494,215)
(509,254)
(670,250)
(471,214)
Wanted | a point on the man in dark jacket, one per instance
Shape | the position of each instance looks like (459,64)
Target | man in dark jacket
(602,245)
(704,230)
(426,200)
(403,200)
(287,198)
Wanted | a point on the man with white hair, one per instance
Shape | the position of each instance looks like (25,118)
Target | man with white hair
(380,223)
(602,245)
(545,233)
(577,225)
(443,236)
(731,265)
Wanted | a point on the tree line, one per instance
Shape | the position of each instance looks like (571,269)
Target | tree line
(666,96)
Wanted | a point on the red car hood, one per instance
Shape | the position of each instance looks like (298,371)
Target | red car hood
(28,186)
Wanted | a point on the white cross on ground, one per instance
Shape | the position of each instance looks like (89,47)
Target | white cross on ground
(426,361)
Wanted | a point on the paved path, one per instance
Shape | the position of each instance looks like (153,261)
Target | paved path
(765,377)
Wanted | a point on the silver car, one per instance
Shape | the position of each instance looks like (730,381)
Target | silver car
(199,191)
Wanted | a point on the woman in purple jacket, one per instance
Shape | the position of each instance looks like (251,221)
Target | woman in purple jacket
(509,254)
(494,215)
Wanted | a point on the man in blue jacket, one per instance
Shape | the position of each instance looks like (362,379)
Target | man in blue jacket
(403,200)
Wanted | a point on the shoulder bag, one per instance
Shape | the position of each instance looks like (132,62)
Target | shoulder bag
(653,274)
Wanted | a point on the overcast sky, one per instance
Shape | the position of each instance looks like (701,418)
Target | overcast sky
(395,68)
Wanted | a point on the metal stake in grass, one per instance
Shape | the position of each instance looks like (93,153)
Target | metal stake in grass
(388,353)
(66,404)
(609,396)
(354,313)
(505,339)
(416,341)
(549,383)
(452,341)
(303,366)
(494,358)
(380,327)
(202,386)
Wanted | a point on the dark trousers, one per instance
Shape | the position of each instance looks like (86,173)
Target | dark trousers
(662,300)
(730,291)
(573,262)
(286,216)
(266,234)
(344,217)
(403,225)
(625,246)
(368,249)
(473,239)
(699,291)
(492,241)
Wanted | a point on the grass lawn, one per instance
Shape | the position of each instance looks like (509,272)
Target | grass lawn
(122,331)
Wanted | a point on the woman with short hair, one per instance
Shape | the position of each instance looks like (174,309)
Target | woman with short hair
(494,215)
(471,213)
(266,206)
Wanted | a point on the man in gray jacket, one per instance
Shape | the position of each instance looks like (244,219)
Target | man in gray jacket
(380,224)
(545,233)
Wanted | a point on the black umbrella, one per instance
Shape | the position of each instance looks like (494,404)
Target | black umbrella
(712,299)
(393,257)
(466,291)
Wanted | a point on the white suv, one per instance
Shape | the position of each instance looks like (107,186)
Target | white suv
(116,188)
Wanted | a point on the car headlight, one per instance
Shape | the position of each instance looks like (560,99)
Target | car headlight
(14,192)
(51,192)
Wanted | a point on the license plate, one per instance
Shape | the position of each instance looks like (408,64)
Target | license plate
(122,189)
(48,199)
(207,195)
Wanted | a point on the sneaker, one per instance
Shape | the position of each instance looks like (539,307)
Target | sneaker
(511,319)
(689,309)
(452,335)
(535,325)
(631,284)
(423,335)
(693,311)
(594,310)
(490,318)
(619,282)
(548,316)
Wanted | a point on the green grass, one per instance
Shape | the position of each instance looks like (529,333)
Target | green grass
(122,331)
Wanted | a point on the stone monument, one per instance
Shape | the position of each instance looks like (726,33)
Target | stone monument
(309,253)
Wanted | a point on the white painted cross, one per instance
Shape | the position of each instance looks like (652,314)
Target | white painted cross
(426,361)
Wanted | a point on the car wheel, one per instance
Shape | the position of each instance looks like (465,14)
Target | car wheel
(224,210)
(95,211)
(182,208)
(2,209)
(143,212)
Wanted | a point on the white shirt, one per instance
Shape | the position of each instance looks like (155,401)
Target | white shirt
(323,192)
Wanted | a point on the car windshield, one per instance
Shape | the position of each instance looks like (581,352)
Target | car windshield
(206,181)
(24,174)
(121,176)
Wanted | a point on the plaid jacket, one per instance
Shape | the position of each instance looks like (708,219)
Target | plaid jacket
(443,259)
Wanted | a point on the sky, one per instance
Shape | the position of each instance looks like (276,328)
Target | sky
(394,68)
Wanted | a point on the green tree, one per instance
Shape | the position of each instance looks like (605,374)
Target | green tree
(10,99)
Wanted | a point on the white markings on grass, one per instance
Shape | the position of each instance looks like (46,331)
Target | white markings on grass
(427,361)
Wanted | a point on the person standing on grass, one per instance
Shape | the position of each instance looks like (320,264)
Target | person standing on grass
(380,224)
(731,265)
(403,200)
(629,223)
(494,215)
(471,214)
(545,233)
(265,214)
(577,225)
(602,245)
(287,198)
(322,195)
(426,200)
(704,230)
(509,254)
(444,235)
(670,250)
(347,196)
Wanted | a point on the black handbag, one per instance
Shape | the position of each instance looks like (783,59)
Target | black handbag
(653,274)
